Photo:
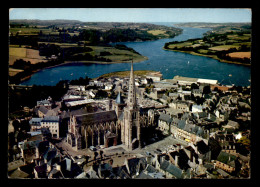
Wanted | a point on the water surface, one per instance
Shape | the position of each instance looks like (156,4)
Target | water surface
(169,63)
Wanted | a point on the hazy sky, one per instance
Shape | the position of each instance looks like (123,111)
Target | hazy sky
(135,14)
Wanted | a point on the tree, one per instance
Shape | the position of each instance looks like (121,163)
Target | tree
(101,154)
(194,86)
(206,89)
(95,155)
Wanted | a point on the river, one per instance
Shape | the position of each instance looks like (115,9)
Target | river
(169,63)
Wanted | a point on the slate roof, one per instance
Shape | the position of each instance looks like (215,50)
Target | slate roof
(143,175)
(35,121)
(43,109)
(98,117)
(119,99)
(224,158)
(181,124)
(29,144)
(165,117)
(134,165)
(18,174)
(121,172)
(50,119)
(177,172)
(164,165)
(50,153)
(43,102)
(172,169)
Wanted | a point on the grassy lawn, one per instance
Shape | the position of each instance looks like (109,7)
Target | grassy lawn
(179,45)
(117,55)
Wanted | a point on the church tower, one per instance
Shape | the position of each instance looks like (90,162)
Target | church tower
(131,126)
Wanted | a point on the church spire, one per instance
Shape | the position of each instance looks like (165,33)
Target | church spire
(131,90)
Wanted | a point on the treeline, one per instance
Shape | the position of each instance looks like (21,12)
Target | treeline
(91,35)
(29,97)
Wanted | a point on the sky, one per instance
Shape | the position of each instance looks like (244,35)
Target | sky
(217,15)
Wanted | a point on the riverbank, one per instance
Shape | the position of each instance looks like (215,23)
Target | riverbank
(123,74)
(27,77)
(210,56)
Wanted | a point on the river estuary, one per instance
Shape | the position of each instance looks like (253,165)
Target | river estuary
(169,63)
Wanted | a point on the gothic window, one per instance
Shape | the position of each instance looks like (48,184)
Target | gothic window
(134,116)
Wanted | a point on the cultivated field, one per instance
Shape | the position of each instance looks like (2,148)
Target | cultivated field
(223,47)
(31,55)
(13,72)
(240,55)
(156,32)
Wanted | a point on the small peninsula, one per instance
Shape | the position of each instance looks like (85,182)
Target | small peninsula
(228,42)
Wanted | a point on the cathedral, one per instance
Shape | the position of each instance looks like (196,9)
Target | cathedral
(130,120)
(121,123)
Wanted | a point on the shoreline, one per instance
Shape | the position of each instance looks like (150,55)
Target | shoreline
(79,62)
(209,56)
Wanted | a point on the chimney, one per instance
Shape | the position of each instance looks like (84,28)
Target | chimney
(193,160)
(200,161)
(176,160)
(68,164)
(58,167)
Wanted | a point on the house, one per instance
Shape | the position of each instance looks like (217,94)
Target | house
(65,169)
(231,125)
(222,115)
(207,81)
(135,166)
(164,122)
(52,123)
(35,124)
(18,174)
(155,76)
(121,172)
(197,108)
(226,162)
(40,171)
(46,103)
(174,95)
(105,171)
(197,92)
(183,93)
(180,105)
(42,111)
(185,80)
(28,150)
(150,173)
(108,86)
(93,93)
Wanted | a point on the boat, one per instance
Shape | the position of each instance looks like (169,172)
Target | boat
(230,75)
(71,74)
(188,62)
